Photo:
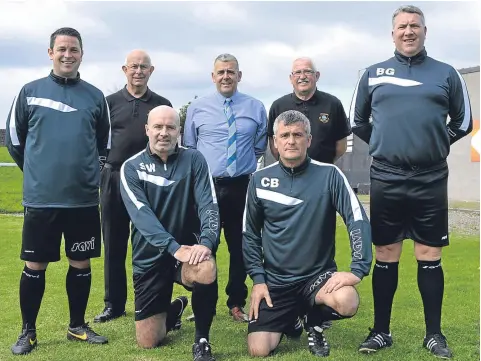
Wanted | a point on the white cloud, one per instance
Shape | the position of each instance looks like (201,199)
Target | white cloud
(38,19)
(215,13)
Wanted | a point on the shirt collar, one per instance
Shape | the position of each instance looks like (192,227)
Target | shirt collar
(129,97)
(222,98)
(63,80)
(312,100)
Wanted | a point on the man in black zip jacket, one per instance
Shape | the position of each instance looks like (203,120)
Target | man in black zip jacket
(161,187)
(409,97)
(289,242)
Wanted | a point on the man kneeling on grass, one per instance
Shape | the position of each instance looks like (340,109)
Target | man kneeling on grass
(289,242)
(161,187)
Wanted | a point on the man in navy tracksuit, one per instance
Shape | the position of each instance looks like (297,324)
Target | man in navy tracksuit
(166,190)
(57,130)
(409,97)
(289,242)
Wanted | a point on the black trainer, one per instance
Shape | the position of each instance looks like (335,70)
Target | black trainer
(317,342)
(108,314)
(295,332)
(184,301)
(437,344)
(375,341)
(85,334)
(202,351)
(26,342)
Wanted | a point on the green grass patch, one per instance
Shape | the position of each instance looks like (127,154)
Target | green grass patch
(5,156)
(460,312)
(11,190)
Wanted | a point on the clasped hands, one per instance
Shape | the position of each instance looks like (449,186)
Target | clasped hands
(193,254)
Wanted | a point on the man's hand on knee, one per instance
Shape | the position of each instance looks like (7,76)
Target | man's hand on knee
(340,279)
(259,292)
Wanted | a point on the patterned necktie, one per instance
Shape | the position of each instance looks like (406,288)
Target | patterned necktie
(231,141)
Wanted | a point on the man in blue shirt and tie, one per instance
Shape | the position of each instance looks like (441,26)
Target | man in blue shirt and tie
(230,129)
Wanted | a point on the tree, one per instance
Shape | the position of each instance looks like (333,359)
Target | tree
(183,114)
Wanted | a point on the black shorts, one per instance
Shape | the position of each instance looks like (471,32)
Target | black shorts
(43,229)
(409,204)
(153,289)
(287,304)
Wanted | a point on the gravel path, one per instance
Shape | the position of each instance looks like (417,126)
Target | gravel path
(460,222)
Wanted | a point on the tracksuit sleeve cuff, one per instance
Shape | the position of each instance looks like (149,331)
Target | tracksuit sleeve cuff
(173,247)
(258,278)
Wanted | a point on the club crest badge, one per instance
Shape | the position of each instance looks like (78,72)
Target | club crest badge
(324,117)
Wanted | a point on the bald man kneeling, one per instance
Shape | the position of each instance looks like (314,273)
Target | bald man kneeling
(129,108)
(167,189)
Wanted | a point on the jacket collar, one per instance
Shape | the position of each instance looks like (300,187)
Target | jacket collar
(64,81)
(129,97)
(297,170)
(172,155)
(416,59)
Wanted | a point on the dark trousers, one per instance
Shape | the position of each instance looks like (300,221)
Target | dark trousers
(115,229)
(231,198)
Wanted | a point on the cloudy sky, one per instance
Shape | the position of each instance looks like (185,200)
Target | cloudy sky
(184,38)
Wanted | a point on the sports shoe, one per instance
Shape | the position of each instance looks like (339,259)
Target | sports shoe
(296,331)
(26,342)
(437,344)
(86,334)
(326,325)
(184,301)
(108,314)
(238,314)
(202,351)
(375,341)
(317,342)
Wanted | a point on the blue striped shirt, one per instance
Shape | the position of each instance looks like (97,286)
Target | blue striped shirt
(206,129)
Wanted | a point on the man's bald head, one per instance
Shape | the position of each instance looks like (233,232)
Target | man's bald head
(137,68)
(138,54)
(163,111)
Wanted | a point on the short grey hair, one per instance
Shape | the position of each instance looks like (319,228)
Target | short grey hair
(290,117)
(225,58)
(411,9)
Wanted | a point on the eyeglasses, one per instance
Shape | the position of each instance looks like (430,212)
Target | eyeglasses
(135,67)
(307,72)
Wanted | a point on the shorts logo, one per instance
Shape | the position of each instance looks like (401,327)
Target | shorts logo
(84,246)
(320,279)
(324,117)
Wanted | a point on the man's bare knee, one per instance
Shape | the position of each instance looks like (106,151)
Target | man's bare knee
(261,344)
(389,253)
(204,273)
(151,331)
(36,266)
(345,301)
(79,264)
(427,253)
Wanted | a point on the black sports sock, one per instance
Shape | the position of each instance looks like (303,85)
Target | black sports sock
(78,290)
(204,302)
(172,314)
(320,313)
(32,287)
(384,285)
(431,287)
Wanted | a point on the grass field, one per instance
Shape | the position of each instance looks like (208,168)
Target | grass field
(4,156)
(460,316)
